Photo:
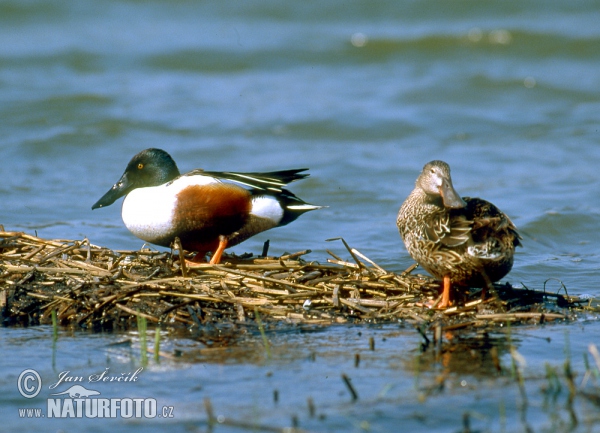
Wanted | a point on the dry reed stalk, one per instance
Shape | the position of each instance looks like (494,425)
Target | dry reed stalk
(97,288)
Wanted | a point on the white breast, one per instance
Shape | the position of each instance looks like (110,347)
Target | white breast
(148,212)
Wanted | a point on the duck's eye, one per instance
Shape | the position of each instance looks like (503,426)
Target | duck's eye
(432,171)
(140,166)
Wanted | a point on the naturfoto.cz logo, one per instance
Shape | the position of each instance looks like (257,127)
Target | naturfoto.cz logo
(77,401)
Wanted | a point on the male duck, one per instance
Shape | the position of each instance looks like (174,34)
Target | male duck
(208,211)
(467,241)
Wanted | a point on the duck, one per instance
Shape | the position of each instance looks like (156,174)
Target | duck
(208,211)
(463,241)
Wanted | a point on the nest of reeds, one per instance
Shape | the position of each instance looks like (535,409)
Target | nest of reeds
(92,287)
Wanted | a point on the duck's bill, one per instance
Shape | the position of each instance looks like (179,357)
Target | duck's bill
(118,190)
(450,197)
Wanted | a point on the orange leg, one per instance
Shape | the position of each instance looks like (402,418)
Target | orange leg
(216,257)
(445,303)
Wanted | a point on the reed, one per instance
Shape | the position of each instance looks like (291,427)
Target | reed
(157,344)
(142,332)
(348,383)
(261,328)
(54,326)
(93,287)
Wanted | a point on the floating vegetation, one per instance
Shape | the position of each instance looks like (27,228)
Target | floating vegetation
(97,288)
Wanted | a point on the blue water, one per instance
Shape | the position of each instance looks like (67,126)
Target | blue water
(364,94)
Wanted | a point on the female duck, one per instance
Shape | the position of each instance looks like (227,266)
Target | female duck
(466,241)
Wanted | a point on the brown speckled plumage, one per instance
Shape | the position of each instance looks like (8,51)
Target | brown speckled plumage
(468,240)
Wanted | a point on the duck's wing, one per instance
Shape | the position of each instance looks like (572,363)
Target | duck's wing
(269,181)
(450,229)
(489,221)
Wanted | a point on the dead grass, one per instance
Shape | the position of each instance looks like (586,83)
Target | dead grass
(97,288)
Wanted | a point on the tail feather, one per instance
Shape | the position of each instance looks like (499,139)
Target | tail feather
(292,205)
(269,181)
(304,207)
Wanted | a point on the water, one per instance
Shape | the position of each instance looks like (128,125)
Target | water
(362,93)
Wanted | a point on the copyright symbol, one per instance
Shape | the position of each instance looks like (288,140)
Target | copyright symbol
(25,385)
